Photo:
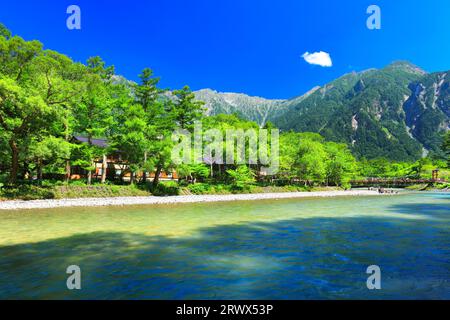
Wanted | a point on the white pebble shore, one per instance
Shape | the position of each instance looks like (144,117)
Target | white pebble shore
(122,201)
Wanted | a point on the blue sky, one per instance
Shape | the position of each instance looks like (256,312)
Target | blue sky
(249,46)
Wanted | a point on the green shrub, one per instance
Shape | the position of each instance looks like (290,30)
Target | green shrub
(199,188)
(242,178)
(27,192)
(3,179)
(52,183)
(99,191)
(169,188)
(221,189)
(77,183)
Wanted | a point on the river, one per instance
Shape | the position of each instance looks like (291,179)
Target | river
(269,249)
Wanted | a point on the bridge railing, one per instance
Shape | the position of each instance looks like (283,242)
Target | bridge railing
(394,181)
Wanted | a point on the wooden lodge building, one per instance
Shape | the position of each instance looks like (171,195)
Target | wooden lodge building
(116,168)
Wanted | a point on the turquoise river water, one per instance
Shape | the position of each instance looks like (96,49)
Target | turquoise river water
(271,249)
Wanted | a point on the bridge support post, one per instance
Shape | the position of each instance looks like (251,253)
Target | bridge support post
(435,175)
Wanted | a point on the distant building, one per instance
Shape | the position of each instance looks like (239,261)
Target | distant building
(116,168)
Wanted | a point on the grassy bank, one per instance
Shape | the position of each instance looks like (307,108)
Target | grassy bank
(204,188)
(27,192)
(51,190)
(429,187)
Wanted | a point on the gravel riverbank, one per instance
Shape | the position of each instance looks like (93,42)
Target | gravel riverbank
(121,201)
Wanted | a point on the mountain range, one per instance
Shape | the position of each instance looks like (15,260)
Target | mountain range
(251,108)
(399,112)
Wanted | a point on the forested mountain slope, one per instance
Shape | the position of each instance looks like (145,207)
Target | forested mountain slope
(398,112)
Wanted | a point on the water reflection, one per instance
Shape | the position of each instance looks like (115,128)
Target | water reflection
(317,257)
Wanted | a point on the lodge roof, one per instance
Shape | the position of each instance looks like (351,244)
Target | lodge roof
(102,143)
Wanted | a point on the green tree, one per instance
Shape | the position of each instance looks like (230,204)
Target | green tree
(303,156)
(148,96)
(147,92)
(94,112)
(48,151)
(130,138)
(223,122)
(446,147)
(193,172)
(65,87)
(23,109)
(310,164)
(4,32)
(181,112)
(186,110)
(242,177)
(340,164)
(288,154)
(37,87)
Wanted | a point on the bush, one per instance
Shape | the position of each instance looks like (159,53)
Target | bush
(27,192)
(199,188)
(221,189)
(77,182)
(3,179)
(52,183)
(242,178)
(98,191)
(169,188)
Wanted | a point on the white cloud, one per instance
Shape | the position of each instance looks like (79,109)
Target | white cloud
(321,58)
